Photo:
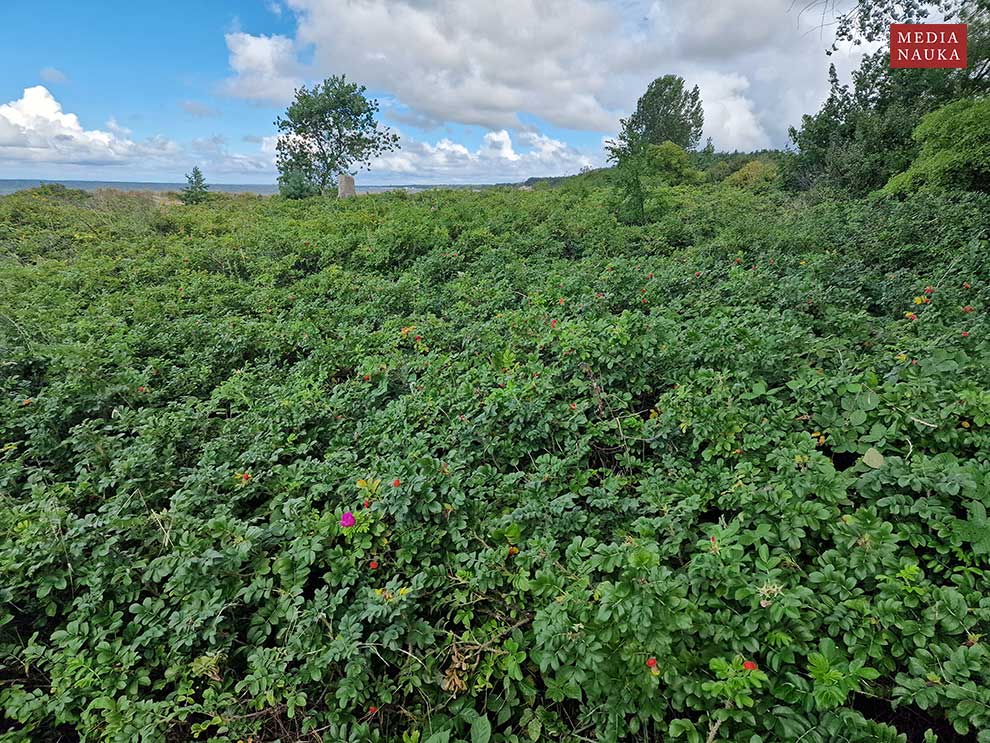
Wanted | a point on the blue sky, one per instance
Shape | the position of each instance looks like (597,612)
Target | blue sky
(479,91)
(136,61)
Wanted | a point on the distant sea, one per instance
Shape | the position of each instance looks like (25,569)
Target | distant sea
(13,185)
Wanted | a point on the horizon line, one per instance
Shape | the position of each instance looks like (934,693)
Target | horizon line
(273,184)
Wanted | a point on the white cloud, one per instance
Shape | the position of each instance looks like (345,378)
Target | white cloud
(265,67)
(35,129)
(37,135)
(730,117)
(716,30)
(214,156)
(575,64)
(498,146)
(268,145)
(571,64)
(450,60)
(760,64)
(118,129)
(496,160)
(53,75)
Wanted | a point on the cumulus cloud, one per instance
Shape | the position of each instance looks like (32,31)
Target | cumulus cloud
(265,67)
(35,129)
(53,75)
(498,146)
(36,132)
(396,111)
(760,64)
(518,69)
(715,30)
(450,60)
(197,109)
(214,154)
(497,159)
(117,128)
(730,117)
(575,64)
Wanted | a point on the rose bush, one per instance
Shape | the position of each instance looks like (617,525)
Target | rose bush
(699,479)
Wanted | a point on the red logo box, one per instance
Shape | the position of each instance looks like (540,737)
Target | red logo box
(915,45)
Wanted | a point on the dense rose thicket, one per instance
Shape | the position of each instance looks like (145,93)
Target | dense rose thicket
(492,467)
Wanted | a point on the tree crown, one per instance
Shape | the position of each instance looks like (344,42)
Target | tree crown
(666,112)
(196,188)
(328,130)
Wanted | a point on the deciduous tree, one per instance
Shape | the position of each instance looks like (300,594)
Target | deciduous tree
(328,130)
(666,112)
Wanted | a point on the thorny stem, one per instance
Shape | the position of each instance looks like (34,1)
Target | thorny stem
(714,727)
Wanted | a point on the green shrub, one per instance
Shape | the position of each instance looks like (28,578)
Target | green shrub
(955,150)
(755,175)
(643,174)
(862,135)
(294,184)
(701,479)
